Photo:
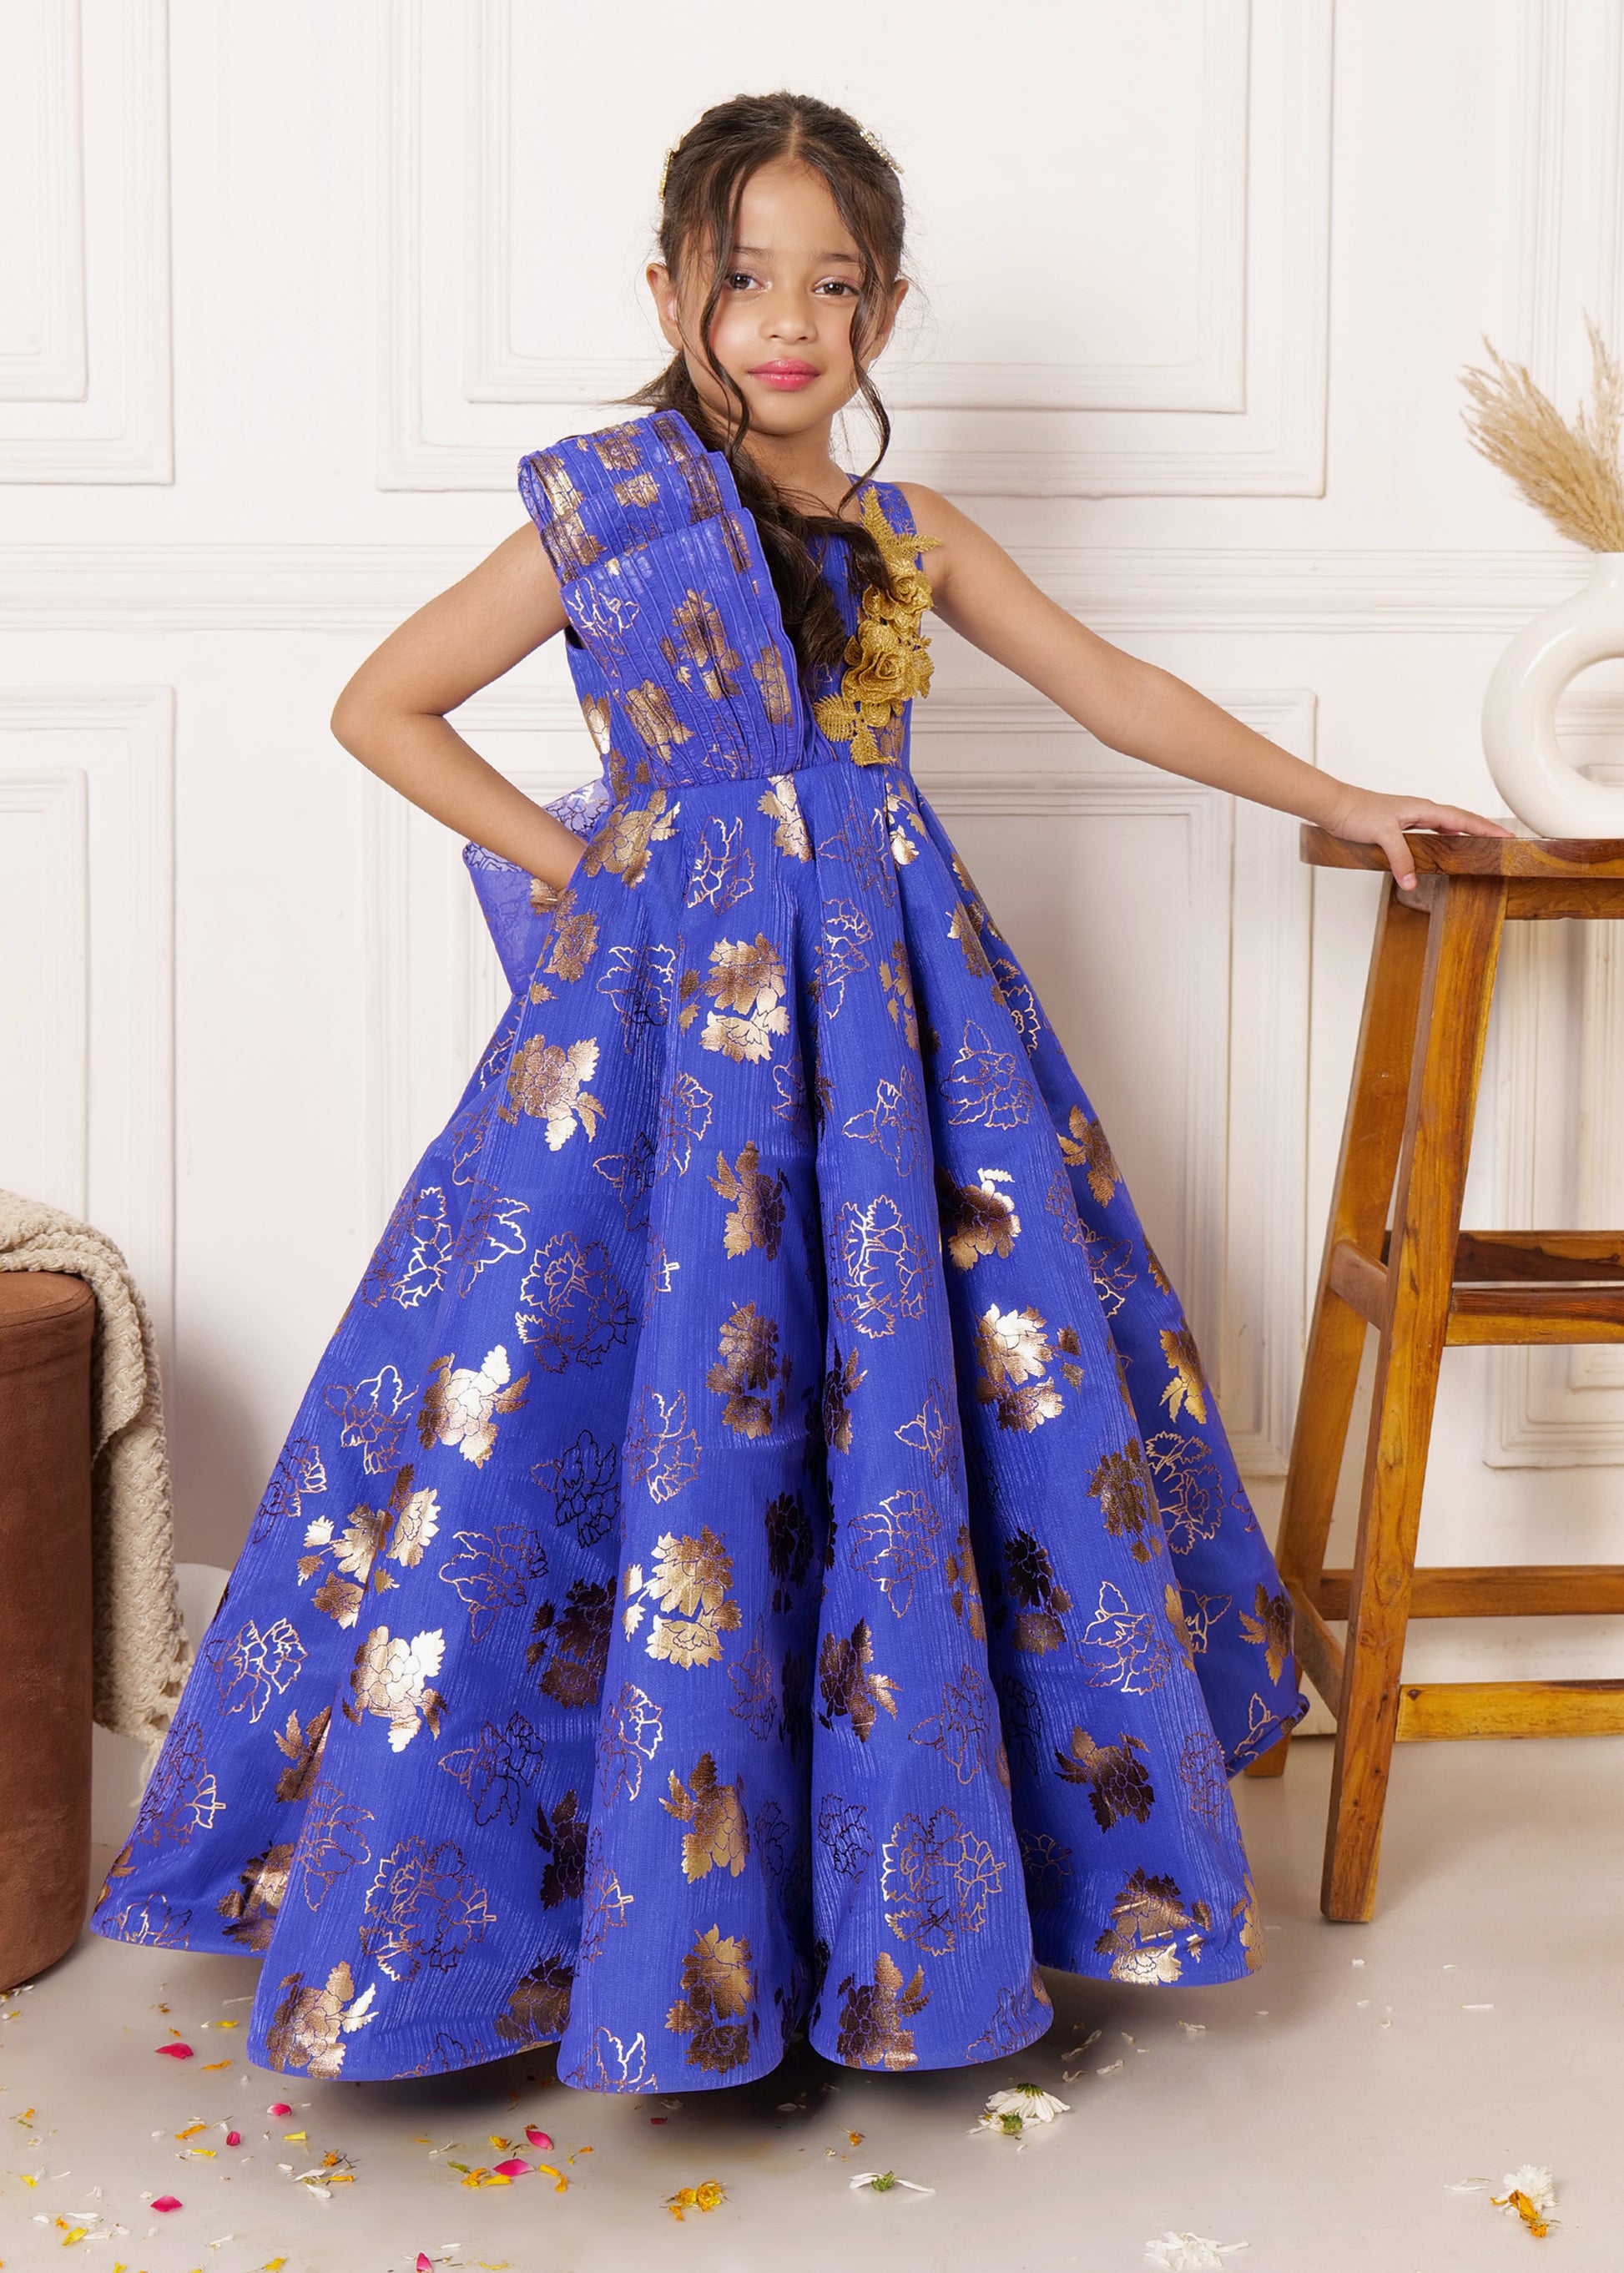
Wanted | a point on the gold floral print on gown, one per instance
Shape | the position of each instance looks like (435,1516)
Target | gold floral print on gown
(895,1545)
(311,2024)
(872,2034)
(463,1405)
(717,1986)
(691,1576)
(719,1837)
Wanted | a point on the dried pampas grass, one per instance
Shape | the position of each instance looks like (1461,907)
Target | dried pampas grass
(1572,474)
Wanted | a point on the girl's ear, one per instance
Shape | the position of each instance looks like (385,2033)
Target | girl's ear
(666,309)
(887,322)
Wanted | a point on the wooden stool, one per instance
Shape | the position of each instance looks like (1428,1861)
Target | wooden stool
(1424,1284)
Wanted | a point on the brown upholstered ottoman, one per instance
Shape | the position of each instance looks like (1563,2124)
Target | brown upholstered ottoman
(46,1325)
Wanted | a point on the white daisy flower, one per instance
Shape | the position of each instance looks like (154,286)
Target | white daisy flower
(1028,2101)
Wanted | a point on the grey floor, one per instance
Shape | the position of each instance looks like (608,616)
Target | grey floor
(1326,2113)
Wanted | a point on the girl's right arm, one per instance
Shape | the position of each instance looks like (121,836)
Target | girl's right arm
(392,715)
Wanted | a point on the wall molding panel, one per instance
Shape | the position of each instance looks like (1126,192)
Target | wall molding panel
(1572,186)
(96,405)
(42,150)
(1211,378)
(1243,413)
(1559,1144)
(86,797)
(434,992)
(1119,589)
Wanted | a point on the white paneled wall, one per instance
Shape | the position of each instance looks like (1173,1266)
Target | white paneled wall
(1195,279)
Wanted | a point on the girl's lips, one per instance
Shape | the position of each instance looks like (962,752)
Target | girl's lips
(787,377)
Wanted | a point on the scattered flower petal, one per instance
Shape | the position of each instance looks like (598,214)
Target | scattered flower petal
(1193,2027)
(883,2182)
(537,2138)
(279,2107)
(166,2202)
(174,2051)
(1531,2195)
(1115,2068)
(708,2196)
(1191,2253)
(513,2168)
(234,2138)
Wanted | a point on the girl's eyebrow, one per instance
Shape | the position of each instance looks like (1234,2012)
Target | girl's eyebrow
(765,252)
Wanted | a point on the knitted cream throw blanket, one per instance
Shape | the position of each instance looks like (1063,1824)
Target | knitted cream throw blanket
(140,1649)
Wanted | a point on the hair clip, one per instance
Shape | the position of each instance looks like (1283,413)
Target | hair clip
(665,171)
(878,148)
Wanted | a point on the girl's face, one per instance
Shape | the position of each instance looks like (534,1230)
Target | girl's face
(782,329)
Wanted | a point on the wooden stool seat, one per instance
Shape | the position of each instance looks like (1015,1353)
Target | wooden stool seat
(1426,1286)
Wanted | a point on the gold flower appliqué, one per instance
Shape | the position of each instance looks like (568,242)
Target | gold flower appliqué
(888,657)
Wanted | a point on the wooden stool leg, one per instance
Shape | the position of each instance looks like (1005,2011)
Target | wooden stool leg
(1372,1136)
(1462,947)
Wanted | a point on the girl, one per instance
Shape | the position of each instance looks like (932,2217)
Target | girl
(760,1551)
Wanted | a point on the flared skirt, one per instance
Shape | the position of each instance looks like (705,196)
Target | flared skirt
(760,1551)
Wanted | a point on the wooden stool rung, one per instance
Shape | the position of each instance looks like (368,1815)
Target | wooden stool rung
(1522,1315)
(1533,1310)
(1318,1652)
(1431,1710)
(1495,1590)
(1360,1280)
(1588,1254)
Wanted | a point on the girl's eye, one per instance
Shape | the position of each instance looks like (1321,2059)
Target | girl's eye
(837,284)
(738,279)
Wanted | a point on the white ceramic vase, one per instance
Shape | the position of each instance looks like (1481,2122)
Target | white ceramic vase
(1519,711)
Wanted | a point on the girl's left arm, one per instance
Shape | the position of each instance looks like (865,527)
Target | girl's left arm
(1145,712)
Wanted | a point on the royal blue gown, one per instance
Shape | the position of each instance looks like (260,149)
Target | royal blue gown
(760,1551)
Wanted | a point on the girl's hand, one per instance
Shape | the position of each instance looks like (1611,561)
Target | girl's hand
(1366,817)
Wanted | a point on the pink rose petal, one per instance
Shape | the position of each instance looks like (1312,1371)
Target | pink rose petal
(513,2168)
(425,2263)
(659,2118)
(175,2052)
(279,2107)
(537,2138)
(166,2202)
(234,2138)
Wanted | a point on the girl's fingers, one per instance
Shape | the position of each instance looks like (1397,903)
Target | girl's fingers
(1456,820)
(1398,859)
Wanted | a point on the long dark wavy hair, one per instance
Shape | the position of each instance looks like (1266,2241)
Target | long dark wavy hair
(704,179)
